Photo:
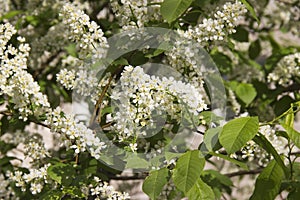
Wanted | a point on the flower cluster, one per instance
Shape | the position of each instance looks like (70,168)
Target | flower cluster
(137,13)
(252,151)
(15,81)
(76,135)
(287,68)
(141,97)
(218,27)
(87,34)
(5,190)
(66,78)
(102,190)
(35,149)
(36,178)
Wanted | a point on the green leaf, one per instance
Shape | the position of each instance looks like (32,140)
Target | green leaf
(262,141)
(155,182)
(236,133)
(223,62)
(254,49)
(200,190)
(251,9)
(135,162)
(71,50)
(268,182)
(52,195)
(289,119)
(173,9)
(10,14)
(222,178)
(246,92)
(188,169)
(239,163)
(241,34)
(293,134)
(61,173)
(73,191)
(211,139)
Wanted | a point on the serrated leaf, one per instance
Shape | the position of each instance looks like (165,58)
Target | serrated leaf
(135,162)
(241,34)
(61,173)
(155,182)
(173,9)
(239,163)
(262,141)
(236,133)
(254,49)
(200,190)
(251,9)
(246,92)
(221,178)
(10,14)
(211,137)
(188,169)
(268,183)
(52,195)
(293,134)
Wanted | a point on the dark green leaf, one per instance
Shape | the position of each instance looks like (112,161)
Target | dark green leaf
(293,134)
(200,190)
(61,173)
(241,34)
(225,157)
(250,8)
(268,182)
(254,49)
(262,141)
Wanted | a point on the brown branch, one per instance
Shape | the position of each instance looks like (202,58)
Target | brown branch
(244,172)
(133,177)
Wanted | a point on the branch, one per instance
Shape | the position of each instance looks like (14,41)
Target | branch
(244,172)
(133,177)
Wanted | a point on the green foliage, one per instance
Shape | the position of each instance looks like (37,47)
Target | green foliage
(268,182)
(155,182)
(246,92)
(61,173)
(173,9)
(200,190)
(236,133)
(187,171)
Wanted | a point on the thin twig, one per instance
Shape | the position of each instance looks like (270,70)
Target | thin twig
(244,172)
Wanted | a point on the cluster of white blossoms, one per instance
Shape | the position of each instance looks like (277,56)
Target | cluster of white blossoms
(102,190)
(140,97)
(76,135)
(218,27)
(37,178)
(253,152)
(235,105)
(5,190)
(186,55)
(287,68)
(15,81)
(35,149)
(136,13)
(87,34)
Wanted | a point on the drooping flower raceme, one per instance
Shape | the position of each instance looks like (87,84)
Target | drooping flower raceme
(136,13)
(141,96)
(87,34)
(286,68)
